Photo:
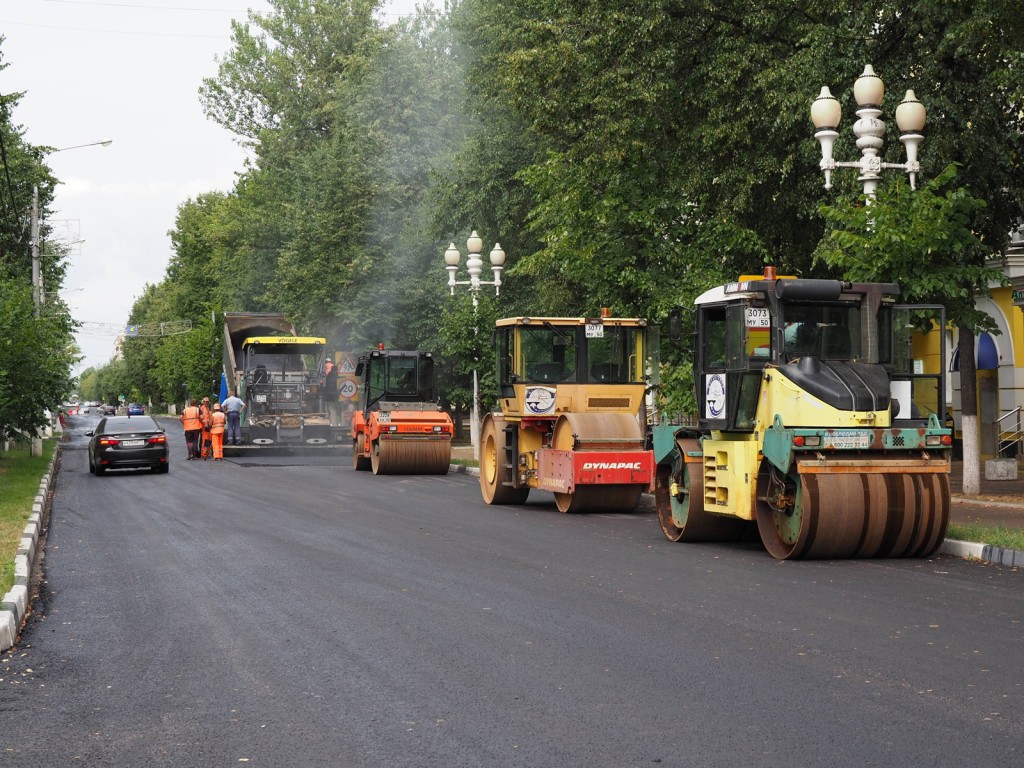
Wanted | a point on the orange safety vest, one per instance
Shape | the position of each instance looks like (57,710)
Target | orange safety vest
(218,420)
(204,416)
(190,419)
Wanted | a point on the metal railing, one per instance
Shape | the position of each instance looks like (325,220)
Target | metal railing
(1011,436)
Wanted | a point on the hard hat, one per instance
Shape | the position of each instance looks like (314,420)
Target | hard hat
(206,399)
(216,406)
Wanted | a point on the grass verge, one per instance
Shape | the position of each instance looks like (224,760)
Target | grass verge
(465,462)
(20,474)
(1008,538)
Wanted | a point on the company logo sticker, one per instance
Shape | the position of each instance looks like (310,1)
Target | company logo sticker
(540,401)
(714,395)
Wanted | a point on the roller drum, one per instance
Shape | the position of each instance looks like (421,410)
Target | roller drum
(580,431)
(851,514)
(497,478)
(599,498)
(411,457)
(359,460)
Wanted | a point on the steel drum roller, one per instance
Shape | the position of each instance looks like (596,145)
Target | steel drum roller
(586,431)
(858,514)
(411,457)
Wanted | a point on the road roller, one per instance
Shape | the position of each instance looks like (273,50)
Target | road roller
(820,423)
(573,417)
(399,427)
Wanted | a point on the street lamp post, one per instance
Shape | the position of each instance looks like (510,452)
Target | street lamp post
(36,448)
(37,274)
(474,266)
(868,91)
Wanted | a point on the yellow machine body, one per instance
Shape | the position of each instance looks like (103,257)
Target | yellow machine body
(817,423)
(573,413)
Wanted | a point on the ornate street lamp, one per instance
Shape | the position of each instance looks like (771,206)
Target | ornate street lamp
(868,91)
(474,266)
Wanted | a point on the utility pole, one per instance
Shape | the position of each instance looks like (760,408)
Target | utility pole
(36,449)
(37,275)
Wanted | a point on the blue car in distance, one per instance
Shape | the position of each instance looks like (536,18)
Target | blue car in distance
(134,409)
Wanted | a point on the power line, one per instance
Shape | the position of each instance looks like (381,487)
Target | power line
(147,7)
(117,31)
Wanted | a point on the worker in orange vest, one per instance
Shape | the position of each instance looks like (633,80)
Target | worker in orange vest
(204,416)
(218,420)
(191,420)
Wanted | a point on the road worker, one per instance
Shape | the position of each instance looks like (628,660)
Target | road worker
(234,406)
(204,415)
(331,391)
(191,421)
(218,421)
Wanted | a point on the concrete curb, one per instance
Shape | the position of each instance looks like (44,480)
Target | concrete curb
(984,552)
(14,606)
(965,549)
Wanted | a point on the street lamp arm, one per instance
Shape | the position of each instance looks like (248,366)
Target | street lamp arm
(54,150)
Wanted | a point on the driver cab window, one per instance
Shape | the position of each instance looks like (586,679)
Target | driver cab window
(548,354)
(714,339)
(402,376)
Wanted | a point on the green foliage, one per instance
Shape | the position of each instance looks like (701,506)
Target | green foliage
(36,355)
(465,344)
(625,155)
(922,240)
(20,473)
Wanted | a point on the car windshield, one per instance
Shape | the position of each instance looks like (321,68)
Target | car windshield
(117,424)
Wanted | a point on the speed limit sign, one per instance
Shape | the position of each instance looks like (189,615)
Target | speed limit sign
(348,389)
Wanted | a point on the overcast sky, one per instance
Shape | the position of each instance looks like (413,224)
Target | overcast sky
(129,71)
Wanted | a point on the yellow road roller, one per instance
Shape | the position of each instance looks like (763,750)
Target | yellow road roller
(572,418)
(399,428)
(821,422)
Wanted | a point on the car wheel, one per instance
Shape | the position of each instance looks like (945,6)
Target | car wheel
(92,467)
(165,468)
(99,471)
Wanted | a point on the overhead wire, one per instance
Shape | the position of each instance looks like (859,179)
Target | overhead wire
(7,169)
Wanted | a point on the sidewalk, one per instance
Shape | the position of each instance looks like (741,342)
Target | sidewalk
(1000,503)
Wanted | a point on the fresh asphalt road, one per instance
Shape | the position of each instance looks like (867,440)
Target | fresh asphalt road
(228,614)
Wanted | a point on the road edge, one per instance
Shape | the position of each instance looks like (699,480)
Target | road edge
(14,606)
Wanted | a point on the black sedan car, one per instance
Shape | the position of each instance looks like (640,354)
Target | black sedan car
(128,441)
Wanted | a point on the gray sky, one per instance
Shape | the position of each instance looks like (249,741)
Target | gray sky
(130,71)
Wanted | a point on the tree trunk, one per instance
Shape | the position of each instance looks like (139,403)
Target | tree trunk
(969,412)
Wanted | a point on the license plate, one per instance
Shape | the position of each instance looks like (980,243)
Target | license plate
(133,443)
(847,440)
(261,398)
(383,417)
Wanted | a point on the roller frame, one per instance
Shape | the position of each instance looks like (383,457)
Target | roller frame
(679,498)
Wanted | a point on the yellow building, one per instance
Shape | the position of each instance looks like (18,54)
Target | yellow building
(1000,359)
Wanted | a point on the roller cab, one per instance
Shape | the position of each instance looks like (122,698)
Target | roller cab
(820,423)
(399,428)
(573,413)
